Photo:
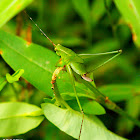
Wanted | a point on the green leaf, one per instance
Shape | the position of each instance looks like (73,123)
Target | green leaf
(47,100)
(87,102)
(82,7)
(8,93)
(133,109)
(15,77)
(93,107)
(2,82)
(125,126)
(38,63)
(120,92)
(12,109)
(105,45)
(89,106)
(71,96)
(18,118)
(9,8)
(131,14)
(70,41)
(98,10)
(69,121)
(18,125)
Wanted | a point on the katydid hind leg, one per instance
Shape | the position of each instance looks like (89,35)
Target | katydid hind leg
(69,70)
(105,62)
(84,56)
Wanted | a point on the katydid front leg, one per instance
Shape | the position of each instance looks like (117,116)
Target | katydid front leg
(58,97)
(54,76)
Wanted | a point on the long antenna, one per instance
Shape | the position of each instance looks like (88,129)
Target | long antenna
(39,28)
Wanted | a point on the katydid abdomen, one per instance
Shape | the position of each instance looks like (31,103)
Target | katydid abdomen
(79,68)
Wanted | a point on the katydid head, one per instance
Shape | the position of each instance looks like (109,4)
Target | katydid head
(57,48)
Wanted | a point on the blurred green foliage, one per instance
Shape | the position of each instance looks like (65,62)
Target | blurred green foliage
(86,27)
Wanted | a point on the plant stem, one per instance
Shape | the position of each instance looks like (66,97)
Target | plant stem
(102,99)
(118,110)
(15,91)
(113,26)
(3,82)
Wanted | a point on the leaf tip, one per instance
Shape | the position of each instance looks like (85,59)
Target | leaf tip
(130,26)
(130,6)
(28,43)
(134,37)
(1,52)
(19,6)
(106,99)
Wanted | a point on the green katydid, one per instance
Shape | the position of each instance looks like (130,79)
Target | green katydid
(74,63)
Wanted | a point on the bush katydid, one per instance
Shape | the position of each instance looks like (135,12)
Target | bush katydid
(74,63)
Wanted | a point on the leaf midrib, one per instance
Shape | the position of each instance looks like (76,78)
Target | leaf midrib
(21,115)
(25,57)
(135,11)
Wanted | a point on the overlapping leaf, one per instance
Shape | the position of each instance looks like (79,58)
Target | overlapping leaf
(2,82)
(19,118)
(120,92)
(131,14)
(38,63)
(9,8)
(69,121)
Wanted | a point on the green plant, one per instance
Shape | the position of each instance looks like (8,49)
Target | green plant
(39,63)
